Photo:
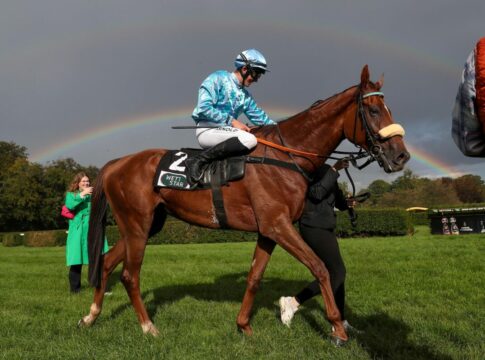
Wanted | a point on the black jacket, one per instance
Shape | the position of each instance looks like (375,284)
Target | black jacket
(322,197)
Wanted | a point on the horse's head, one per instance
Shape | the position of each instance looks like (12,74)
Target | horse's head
(373,128)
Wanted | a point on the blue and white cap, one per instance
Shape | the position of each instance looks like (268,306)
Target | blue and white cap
(252,58)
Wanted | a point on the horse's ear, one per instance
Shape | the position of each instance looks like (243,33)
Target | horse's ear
(364,76)
(380,83)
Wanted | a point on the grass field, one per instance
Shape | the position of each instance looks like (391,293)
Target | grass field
(419,297)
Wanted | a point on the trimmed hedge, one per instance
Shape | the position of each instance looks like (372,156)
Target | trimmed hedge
(382,222)
(419,218)
(12,239)
(179,232)
(35,238)
(375,222)
(45,238)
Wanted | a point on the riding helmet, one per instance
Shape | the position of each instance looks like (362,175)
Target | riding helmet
(252,58)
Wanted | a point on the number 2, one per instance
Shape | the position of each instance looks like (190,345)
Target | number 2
(175,165)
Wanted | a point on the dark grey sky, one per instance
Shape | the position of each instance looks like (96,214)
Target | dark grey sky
(94,80)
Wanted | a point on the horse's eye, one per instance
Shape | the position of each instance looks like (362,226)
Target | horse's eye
(373,111)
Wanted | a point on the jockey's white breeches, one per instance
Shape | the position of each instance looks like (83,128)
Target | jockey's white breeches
(210,137)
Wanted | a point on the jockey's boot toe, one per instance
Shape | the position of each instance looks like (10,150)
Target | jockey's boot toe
(194,169)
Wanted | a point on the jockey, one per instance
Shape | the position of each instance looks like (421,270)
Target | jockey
(222,99)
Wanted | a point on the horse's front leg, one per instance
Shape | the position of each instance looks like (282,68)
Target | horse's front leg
(262,254)
(288,238)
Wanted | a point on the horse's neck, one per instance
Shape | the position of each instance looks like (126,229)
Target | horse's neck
(319,129)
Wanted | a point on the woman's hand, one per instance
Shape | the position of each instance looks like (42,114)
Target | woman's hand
(86,191)
(341,164)
(239,125)
(351,202)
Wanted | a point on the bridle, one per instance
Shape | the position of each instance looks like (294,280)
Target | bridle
(373,140)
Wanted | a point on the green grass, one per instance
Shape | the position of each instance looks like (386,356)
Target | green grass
(419,297)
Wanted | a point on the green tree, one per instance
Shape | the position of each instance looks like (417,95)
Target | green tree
(21,196)
(469,188)
(410,191)
(377,189)
(405,182)
(31,195)
(9,153)
(437,193)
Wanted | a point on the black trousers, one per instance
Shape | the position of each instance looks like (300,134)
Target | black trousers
(324,243)
(75,277)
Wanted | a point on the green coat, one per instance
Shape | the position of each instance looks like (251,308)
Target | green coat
(77,237)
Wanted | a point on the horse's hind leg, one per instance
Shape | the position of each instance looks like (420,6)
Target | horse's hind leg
(130,278)
(111,259)
(136,238)
(262,254)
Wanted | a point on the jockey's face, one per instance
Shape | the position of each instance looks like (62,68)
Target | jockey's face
(253,75)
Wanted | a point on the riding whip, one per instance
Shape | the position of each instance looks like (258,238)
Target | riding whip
(195,127)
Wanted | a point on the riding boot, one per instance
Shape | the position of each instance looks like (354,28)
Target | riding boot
(197,164)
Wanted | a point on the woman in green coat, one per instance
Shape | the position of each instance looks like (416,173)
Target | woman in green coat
(78,200)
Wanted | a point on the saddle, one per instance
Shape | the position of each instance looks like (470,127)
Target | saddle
(172,173)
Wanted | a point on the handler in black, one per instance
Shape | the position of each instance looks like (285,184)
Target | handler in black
(317,227)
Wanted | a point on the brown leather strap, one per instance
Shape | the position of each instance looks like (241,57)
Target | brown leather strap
(284,148)
(217,198)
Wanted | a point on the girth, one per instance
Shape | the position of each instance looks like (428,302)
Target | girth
(215,184)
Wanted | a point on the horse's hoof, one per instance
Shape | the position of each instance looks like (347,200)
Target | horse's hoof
(338,342)
(154,332)
(81,324)
(246,330)
(86,321)
(150,329)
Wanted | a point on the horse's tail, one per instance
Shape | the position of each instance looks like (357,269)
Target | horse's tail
(96,233)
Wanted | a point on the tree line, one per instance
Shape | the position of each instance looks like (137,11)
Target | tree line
(31,195)
(409,190)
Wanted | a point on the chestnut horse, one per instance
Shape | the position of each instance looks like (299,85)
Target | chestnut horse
(268,200)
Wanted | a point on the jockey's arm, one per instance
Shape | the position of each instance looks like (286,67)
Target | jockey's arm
(255,114)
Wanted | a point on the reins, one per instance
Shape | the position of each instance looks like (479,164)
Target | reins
(287,149)
(360,154)
(351,157)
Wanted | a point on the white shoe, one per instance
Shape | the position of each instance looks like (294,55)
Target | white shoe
(287,310)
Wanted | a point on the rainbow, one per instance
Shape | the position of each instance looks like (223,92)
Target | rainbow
(182,116)
(64,41)
(439,167)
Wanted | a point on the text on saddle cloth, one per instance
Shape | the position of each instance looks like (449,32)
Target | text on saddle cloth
(172,173)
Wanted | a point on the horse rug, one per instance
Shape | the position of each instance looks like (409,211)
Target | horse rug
(468,117)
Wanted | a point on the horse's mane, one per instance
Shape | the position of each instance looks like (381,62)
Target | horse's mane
(319,105)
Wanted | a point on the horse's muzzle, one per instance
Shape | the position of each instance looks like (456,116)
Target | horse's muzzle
(396,163)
